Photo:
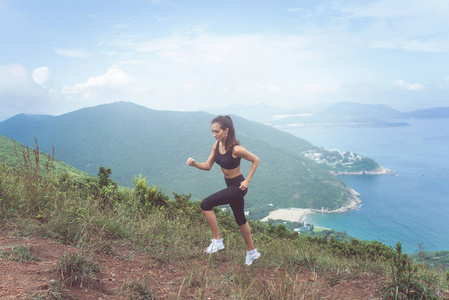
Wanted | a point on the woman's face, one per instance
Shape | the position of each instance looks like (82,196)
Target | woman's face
(219,134)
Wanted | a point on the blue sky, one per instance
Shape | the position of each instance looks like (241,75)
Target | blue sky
(58,56)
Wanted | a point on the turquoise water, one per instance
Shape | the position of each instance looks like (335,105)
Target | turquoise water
(413,207)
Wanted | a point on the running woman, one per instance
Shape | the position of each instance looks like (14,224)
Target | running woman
(227,152)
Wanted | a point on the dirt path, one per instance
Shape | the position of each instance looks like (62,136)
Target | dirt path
(20,280)
(23,280)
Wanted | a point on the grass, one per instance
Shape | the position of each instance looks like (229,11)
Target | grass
(55,291)
(20,253)
(76,269)
(172,230)
(138,290)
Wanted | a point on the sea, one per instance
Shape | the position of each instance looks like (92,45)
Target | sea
(411,207)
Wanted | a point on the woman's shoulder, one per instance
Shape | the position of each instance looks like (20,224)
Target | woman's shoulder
(238,149)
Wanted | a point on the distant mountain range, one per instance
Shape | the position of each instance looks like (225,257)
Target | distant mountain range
(348,114)
(431,113)
(133,140)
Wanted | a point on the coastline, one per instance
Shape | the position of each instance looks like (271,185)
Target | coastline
(299,214)
(378,171)
(288,214)
(353,203)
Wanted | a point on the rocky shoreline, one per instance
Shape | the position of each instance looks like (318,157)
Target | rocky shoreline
(378,171)
(353,203)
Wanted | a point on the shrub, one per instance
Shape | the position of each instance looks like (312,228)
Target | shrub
(76,268)
(406,280)
(148,197)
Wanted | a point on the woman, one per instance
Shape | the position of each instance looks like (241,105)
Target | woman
(227,152)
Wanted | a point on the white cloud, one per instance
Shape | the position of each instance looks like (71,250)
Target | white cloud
(113,79)
(320,88)
(72,53)
(15,80)
(188,86)
(295,9)
(409,86)
(206,49)
(265,87)
(395,9)
(19,93)
(40,76)
(418,45)
(198,67)
(445,84)
(269,87)
(411,25)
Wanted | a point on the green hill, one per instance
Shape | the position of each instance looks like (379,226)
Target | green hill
(87,240)
(134,140)
(10,156)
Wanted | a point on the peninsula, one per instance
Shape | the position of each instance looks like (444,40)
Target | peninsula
(346,163)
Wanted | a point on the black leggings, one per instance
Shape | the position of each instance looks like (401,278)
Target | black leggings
(231,195)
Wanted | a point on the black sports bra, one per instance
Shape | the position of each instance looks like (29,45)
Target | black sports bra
(226,161)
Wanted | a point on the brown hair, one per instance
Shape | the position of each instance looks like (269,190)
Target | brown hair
(226,122)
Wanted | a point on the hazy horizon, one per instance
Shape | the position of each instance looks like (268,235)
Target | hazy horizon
(211,110)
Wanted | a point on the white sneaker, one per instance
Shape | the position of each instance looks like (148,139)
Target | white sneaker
(214,246)
(251,256)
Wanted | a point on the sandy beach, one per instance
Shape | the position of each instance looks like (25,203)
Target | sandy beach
(288,214)
(299,214)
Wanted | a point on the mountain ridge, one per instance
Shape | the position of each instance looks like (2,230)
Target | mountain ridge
(133,140)
(339,114)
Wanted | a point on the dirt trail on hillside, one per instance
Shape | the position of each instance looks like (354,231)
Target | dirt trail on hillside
(23,280)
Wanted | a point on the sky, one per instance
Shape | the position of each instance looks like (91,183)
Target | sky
(59,56)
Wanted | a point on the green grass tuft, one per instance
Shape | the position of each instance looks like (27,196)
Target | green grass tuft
(20,253)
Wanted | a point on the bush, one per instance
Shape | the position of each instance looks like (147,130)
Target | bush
(406,280)
(76,268)
(148,198)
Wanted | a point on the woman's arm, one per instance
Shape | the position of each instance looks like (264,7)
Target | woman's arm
(245,154)
(203,166)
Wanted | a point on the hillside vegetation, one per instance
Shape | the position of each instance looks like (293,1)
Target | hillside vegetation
(96,217)
(12,152)
(133,140)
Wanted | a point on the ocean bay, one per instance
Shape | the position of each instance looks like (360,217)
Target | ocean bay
(413,207)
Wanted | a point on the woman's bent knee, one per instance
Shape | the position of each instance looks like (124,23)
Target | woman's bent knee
(205,206)
(240,220)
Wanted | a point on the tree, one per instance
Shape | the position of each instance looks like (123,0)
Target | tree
(103,177)
(106,186)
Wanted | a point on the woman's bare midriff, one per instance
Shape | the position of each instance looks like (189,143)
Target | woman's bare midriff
(229,174)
